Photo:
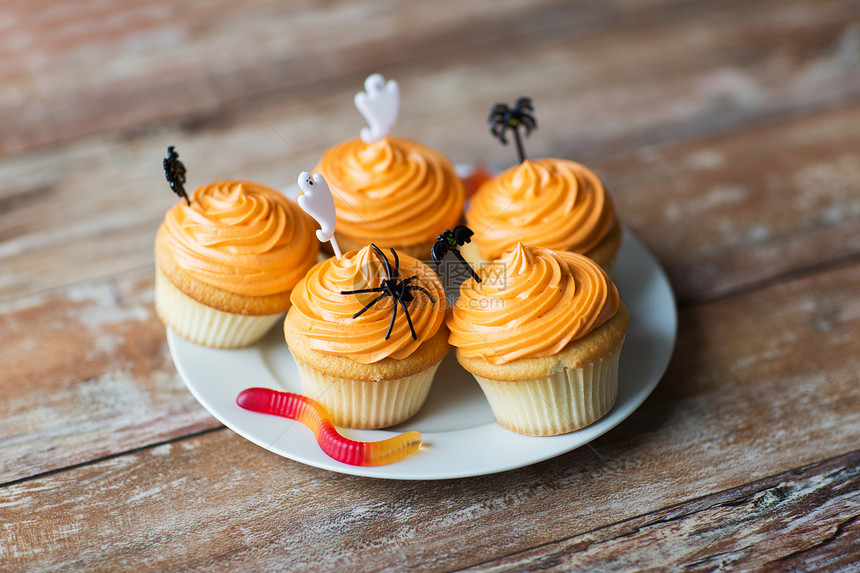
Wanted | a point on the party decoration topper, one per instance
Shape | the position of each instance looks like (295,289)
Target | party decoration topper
(379,104)
(503,118)
(400,291)
(174,171)
(312,414)
(317,202)
(449,241)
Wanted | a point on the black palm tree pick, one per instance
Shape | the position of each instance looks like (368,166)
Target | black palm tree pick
(502,118)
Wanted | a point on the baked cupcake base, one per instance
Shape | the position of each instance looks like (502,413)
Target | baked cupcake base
(367,405)
(203,324)
(606,251)
(557,394)
(568,400)
(367,396)
(208,315)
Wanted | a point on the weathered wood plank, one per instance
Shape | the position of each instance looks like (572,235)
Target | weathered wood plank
(85,374)
(803,520)
(690,75)
(63,79)
(749,207)
(761,383)
(697,66)
(102,444)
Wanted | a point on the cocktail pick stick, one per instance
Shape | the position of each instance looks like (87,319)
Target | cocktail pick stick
(379,104)
(317,202)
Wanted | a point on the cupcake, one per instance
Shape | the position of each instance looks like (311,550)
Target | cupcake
(367,357)
(227,260)
(393,192)
(553,203)
(542,336)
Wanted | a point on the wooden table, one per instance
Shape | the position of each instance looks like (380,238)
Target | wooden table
(728,133)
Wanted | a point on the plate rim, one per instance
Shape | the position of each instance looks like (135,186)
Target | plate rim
(571,441)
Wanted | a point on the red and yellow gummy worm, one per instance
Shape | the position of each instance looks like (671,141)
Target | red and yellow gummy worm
(310,413)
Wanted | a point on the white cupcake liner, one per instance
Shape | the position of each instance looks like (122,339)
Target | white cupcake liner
(568,400)
(205,325)
(367,405)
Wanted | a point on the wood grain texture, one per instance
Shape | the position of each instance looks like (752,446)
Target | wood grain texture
(726,132)
(198,58)
(86,374)
(698,65)
(748,207)
(715,422)
(802,520)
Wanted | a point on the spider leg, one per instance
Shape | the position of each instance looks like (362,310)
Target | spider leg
(362,291)
(384,258)
(468,266)
(408,319)
(371,303)
(396,264)
(424,290)
(393,316)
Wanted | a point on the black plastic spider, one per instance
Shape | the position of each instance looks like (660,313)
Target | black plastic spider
(448,241)
(503,118)
(174,171)
(400,291)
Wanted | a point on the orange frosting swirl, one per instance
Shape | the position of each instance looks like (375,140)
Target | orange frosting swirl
(392,192)
(325,316)
(545,300)
(554,203)
(241,237)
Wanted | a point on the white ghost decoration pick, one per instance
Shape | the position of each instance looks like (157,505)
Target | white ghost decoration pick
(317,202)
(379,104)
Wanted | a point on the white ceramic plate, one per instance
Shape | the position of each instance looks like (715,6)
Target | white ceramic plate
(460,435)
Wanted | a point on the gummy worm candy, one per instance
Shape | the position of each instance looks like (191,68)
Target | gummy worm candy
(313,415)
